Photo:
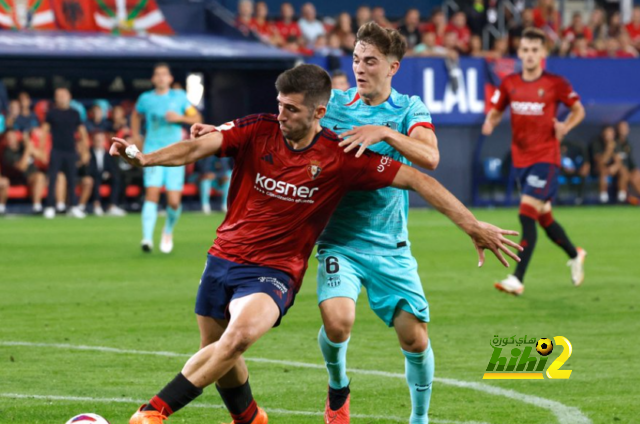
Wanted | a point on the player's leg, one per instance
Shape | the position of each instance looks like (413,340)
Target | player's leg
(556,234)
(623,184)
(4,194)
(396,295)
(223,172)
(419,362)
(153,187)
(52,172)
(204,167)
(174,182)
(251,317)
(338,285)
(37,182)
(530,210)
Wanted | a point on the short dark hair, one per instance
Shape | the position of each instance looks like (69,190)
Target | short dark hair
(338,73)
(162,65)
(535,34)
(389,41)
(310,80)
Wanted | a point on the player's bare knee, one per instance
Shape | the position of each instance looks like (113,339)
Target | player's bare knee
(416,344)
(236,343)
(338,329)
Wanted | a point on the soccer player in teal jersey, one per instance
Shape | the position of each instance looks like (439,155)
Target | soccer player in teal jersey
(366,241)
(164,110)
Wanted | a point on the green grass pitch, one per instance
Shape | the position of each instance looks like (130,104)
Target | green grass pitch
(71,282)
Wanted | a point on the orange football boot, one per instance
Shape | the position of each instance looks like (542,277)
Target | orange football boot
(341,416)
(147,417)
(261,418)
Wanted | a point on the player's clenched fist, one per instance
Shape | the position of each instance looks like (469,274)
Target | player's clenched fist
(198,130)
(129,152)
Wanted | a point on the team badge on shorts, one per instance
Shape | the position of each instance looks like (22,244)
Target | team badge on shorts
(314,169)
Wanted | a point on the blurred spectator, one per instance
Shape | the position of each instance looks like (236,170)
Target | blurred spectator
(626,156)
(615,25)
(104,170)
(477,17)
(378,15)
(459,26)
(577,28)
(607,162)
(261,26)
(245,15)
(409,28)
(363,15)
(13,112)
(339,81)
(18,164)
(500,49)
(475,47)
(516,30)
(581,49)
(119,121)
(26,121)
(287,28)
(84,174)
(97,121)
(321,46)
(574,164)
(598,25)
(614,50)
(343,30)
(547,17)
(310,26)
(429,47)
(437,24)
(62,122)
(4,194)
(633,27)
(626,46)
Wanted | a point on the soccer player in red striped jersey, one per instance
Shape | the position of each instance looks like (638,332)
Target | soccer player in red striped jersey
(289,177)
(534,96)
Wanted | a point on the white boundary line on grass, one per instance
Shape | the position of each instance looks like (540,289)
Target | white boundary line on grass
(564,414)
(274,411)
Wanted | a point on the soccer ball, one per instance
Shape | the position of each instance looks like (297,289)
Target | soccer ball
(544,346)
(87,419)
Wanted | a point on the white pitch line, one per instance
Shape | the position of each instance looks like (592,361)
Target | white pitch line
(275,411)
(564,414)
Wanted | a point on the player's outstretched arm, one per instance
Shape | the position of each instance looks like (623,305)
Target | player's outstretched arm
(483,235)
(491,122)
(176,154)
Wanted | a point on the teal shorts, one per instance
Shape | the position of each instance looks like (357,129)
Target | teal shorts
(392,282)
(171,178)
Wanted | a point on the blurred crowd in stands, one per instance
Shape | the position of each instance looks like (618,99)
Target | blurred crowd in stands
(602,34)
(37,139)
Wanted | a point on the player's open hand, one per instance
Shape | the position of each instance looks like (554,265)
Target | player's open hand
(198,130)
(487,236)
(364,136)
(129,152)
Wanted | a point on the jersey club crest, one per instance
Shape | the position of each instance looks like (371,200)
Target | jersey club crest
(314,169)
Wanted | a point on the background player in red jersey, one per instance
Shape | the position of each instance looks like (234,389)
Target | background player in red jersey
(534,96)
(289,177)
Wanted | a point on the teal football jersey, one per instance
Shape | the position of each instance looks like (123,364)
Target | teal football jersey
(373,222)
(154,107)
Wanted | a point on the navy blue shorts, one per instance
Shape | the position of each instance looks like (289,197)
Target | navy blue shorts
(539,180)
(223,280)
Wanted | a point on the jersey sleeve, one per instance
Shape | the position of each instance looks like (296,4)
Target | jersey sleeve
(370,171)
(141,104)
(500,98)
(237,135)
(418,115)
(565,92)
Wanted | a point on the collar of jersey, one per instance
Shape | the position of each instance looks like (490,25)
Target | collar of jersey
(315,139)
(389,100)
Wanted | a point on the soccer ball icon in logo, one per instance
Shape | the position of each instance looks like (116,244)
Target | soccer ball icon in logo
(544,346)
(87,419)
